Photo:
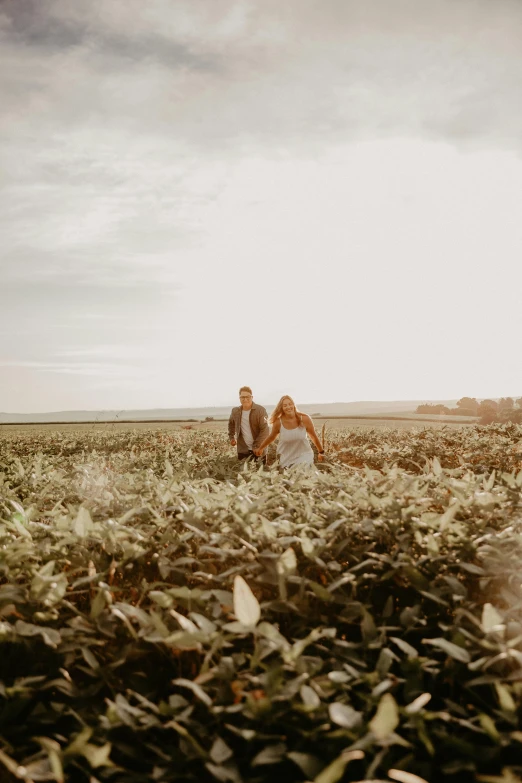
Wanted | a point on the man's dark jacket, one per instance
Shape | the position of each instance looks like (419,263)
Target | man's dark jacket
(258,424)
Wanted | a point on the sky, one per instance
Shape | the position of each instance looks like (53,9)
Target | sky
(320,199)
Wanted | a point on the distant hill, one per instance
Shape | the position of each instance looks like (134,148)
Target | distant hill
(325,409)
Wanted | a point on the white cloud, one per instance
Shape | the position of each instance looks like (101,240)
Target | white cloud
(104,370)
(338,183)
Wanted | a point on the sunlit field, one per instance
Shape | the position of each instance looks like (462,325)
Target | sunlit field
(168,614)
(339,424)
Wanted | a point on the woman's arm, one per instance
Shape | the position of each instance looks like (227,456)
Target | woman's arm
(307,421)
(276,426)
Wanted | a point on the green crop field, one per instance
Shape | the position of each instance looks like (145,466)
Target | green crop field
(167,614)
(409,421)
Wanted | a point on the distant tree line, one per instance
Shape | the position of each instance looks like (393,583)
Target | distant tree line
(488,411)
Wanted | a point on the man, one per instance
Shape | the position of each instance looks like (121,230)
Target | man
(248,426)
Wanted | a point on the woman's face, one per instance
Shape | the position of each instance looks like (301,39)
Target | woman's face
(288,407)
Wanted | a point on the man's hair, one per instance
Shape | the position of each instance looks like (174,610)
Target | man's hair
(245,388)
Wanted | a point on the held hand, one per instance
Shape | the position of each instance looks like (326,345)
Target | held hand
(233,442)
(258,452)
(320,457)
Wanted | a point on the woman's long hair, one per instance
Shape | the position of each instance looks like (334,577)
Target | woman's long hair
(278,410)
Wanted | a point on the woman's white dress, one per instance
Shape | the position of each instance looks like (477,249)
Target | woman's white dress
(294,447)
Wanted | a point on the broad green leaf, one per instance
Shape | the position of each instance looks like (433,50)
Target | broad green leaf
(436,466)
(320,591)
(417,704)
(486,500)
(507,776)
(448,516)
(386,719)
(83,524)
(226,773)
(220,751)
(78,744)
(162,599)
(20,528)
(246,605)
(90,658)
(50,636)
(203,623)
(298,648)
(270,632)
(491,619)
(11,765)
(339,676)
(334,771)
(405,777)
(310,765)
(488,483)
(488,724)
(268,529)
(403,645)
(310,698)
(453,650)
(368,628)
(98,756)
(196,689)
(271,754)
(287,563)
(184,622)
(505,698)
(344,715)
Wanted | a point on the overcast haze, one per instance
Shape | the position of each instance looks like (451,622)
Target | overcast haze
(322,199)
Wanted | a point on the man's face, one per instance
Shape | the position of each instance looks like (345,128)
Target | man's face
(246,400)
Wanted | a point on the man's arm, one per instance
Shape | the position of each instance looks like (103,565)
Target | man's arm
(232,429)
(276,426)
(264,429)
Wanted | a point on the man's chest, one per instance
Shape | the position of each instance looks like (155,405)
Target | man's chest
(246,420)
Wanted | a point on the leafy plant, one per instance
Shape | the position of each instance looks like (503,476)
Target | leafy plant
(166,614)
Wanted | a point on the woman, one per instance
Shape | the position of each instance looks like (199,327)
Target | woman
(293,426)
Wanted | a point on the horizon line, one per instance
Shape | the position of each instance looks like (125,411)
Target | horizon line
(424,401)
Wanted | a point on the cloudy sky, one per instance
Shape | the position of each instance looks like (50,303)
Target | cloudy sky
(315,198)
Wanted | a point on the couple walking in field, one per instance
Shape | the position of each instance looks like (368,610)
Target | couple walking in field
(248,430)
